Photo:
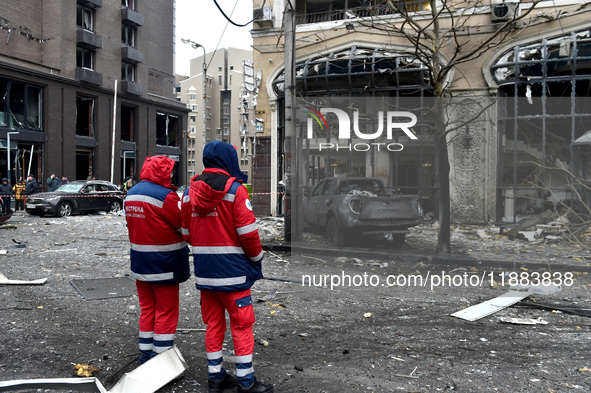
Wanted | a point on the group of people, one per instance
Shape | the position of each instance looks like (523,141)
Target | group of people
(22,189)
(215,217)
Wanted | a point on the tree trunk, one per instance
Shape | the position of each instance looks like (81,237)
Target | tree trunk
(443,239)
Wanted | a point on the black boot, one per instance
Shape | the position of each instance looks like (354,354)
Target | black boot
(256,387)
(219,386)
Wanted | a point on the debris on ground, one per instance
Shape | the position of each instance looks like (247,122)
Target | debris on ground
(523,321)
(492,306)
(546,215)
(5,281)
(270,229)
(85,370)
(583,311)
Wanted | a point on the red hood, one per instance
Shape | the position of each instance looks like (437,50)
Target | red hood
(203,198)
(157,170)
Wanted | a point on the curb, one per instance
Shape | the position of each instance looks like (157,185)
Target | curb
(432,259)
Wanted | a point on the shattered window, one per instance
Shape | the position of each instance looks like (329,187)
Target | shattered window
(167,130)
(21,106)
(357,69)
(84,116)
(543,108)
(85,17)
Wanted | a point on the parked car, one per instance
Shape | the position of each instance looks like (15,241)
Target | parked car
(76,197)
(355,206)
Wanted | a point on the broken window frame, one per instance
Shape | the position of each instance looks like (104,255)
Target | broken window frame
(128,116)
(128,4)
(88,123)
(85,17)
(529,76)
(167,129)
(128,35)
(85,58)
(128,72)
(24,112)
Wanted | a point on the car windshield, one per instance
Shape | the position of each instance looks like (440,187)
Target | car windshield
(367,185)
(70,187)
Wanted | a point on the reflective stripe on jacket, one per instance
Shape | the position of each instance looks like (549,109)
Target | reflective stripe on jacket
(219,223)
(158,253)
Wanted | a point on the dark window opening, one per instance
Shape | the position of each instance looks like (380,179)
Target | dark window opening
(167,130)
(128,72)
(21,106)
(128,35)
(85,17)
(84,164)
(84,116)
(128,4)
(84,58)
(127,123)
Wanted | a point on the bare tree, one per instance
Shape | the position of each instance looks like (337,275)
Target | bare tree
(442,41)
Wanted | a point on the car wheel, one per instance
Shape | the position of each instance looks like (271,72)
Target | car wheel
(115,206)
(64,209)
(335,234)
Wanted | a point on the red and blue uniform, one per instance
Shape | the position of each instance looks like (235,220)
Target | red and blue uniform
(219,223)
(159,254)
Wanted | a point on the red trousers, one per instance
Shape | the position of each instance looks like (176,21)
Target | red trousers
(214,305)
(159,316)
(213,310)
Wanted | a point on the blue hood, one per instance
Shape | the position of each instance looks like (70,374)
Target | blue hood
(222,155)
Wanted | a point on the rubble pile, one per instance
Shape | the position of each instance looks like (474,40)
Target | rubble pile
(544,241)
(270,229)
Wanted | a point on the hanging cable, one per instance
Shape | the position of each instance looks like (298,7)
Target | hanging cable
(234,23)
(223,32)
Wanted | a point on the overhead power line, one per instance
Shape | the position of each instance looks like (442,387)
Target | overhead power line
(234,23)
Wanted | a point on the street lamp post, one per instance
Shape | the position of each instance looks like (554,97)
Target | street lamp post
(195,45)
(8,153)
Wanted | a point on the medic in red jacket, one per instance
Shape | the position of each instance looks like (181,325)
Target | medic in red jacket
(159,254)
(219,223)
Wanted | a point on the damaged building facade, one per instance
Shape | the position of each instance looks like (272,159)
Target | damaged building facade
(59,65)
(528,96)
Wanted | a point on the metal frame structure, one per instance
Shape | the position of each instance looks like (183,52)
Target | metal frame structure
(539,83)
(358,72)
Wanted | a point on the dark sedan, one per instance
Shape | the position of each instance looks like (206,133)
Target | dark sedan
(76,197)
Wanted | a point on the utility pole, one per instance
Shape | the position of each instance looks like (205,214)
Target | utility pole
(291,178)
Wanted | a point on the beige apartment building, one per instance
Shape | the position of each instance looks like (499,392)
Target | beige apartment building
(223,120)
(509,163)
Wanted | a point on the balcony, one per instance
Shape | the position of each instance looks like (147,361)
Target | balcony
(131,18)
(131,88)
(89,76)
(91,3)
(88,39)
(131,55)
(362,12)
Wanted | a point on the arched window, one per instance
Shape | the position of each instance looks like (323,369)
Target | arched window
(359,71)
(544,106)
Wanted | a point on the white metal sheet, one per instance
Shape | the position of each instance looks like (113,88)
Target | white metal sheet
(489,307)
(92,385)
(152,375)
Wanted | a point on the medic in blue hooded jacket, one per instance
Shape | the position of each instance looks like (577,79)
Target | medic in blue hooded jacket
(159,254)
(219,223)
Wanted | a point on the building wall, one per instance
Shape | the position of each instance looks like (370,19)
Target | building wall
(474,170)
(47,58)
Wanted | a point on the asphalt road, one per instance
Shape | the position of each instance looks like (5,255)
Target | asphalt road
(366,336)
